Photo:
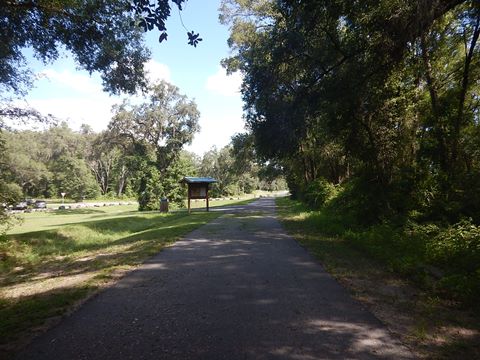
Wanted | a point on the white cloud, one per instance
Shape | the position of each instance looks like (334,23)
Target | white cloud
(157,71)
(76,81)
(223,84)
(216,132)
(73,96)
(78,98)
(76,111)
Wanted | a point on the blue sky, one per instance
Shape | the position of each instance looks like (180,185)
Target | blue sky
(72,95)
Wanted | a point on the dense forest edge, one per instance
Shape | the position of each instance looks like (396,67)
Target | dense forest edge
(371,109)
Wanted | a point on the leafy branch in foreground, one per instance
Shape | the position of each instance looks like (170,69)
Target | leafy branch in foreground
(154,14)
(100,35)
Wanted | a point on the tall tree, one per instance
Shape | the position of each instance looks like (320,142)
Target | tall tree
(73,177)
(157,130)
(336,89)
(9,191)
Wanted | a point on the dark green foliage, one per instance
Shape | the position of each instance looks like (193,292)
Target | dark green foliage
(150,189)
(101,35)
(173,190)
(318,192)
(73,177)
(380,95)
(46,163)
(98,33)
(457,246)
(444,261)
(10,192)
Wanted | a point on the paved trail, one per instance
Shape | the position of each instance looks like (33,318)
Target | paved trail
(237,288)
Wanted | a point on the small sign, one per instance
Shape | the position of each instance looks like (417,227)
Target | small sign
(198,188)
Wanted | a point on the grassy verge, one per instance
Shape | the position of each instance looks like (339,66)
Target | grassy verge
(432,327)
(38,221)
(71,254)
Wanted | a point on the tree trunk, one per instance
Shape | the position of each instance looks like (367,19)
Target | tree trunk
(439,130)
(122,180)
(459,120)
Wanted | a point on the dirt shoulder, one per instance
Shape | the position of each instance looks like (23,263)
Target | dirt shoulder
(433,328)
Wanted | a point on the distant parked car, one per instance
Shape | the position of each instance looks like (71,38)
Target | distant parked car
(30,201)
(40,204)
(22,205)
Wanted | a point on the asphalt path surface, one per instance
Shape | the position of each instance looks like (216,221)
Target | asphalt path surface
(236,288)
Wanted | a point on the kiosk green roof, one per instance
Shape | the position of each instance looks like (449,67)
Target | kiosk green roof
(198,180)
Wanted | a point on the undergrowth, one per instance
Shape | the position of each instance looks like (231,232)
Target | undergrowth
(381,264)
(442,260)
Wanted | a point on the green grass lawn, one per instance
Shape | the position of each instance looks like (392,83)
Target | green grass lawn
(39,221)
(54,260)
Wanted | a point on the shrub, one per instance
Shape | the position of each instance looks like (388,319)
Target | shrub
(456,247)
(10,193)
(352,200)
(400,252)
(442,259)
(150,190)
(463,287)
(318,192)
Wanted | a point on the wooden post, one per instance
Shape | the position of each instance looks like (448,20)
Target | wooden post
(207,199)
(189,198)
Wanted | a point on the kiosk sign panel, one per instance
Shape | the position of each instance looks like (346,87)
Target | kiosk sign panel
(198,191)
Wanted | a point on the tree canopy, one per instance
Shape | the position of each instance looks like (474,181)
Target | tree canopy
(383,95)
(102,36)
(155,133)
(371,109)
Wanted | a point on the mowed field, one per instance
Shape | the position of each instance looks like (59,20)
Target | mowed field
(53,261)
(39,221)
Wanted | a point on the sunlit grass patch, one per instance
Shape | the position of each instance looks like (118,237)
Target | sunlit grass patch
(43,273)
(39,221)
